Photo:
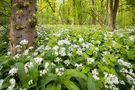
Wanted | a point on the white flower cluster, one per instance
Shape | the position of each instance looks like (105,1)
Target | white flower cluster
(58,60)
(12,84)
(132,38)
(28,66)
(78,65)
(127,71)
(79,51)
(24,42)
(59,71)
(38,60)
(111,81)
(13,71)
(94,74)
(123,63)
(67,62)
(63,42)
(130,79)
(90,60)
(62,51)
(85,46)
(46,69)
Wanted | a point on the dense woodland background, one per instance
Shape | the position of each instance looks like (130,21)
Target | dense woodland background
(77,12)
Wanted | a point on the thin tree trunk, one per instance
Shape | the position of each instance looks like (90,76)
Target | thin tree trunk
(22,23)
(113,8)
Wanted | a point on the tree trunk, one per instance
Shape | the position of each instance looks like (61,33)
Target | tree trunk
(113,8)
(92,12)
(22,23)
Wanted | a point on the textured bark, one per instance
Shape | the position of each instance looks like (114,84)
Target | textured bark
(113,8)
(22,23)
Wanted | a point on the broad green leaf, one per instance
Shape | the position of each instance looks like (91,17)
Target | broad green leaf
(74,73)
(131,54)
(92,85)
(23,76)
(70,85)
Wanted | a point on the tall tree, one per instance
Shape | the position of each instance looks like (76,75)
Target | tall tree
(113,8)
(22,23)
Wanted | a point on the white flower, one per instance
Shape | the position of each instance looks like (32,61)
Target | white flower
(95,73)
(12,81)
(126,64)
(55,48)
(62,42)
(35,53)
(18,46)
(122,82)
(24,42)
(38,60)
(26,52)
(31,47)
(115,88)
(110,80)
(85,46)
(90,60)
(46,65)
(132,38)
(53,65)
(67,62)
(8,53)
(62,51)
(59,71)
(58,60)
(42,72)
(1,82)
(10,88)
(47,48)
(130,79)
(17,56)
(30,82)
(78,65)
(12,71)
(81,39)
(79,51)
(27,66)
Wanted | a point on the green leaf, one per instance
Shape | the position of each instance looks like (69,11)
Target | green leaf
(69,73)
(91,84)
(53,86)
(131,54)
(70,85)
(23,76)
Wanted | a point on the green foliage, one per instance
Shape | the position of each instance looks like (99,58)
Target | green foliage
(73,58)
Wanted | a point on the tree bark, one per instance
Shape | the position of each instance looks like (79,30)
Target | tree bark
(113,8)
(22,23)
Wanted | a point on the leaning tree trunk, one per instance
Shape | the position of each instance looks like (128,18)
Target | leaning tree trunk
(113,8)
(22,23)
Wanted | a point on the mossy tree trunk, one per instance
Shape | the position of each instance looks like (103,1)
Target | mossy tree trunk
(22,23)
